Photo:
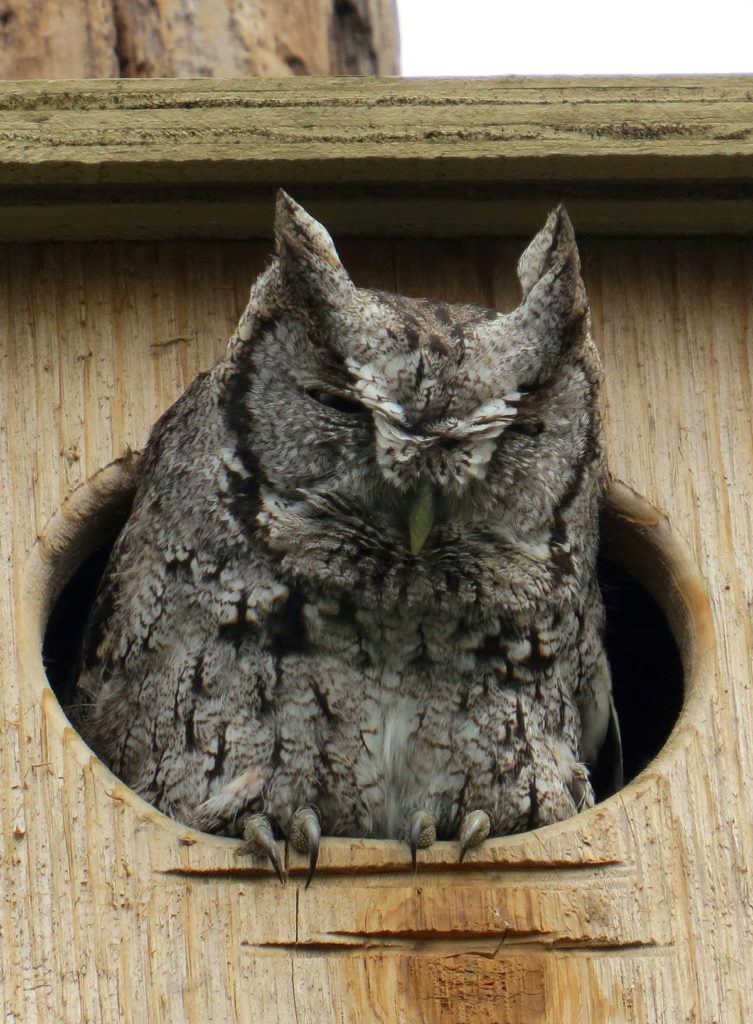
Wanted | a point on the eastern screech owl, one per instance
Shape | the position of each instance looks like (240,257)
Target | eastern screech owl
(356,593)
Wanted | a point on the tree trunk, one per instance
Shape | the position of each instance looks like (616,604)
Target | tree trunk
(196,38)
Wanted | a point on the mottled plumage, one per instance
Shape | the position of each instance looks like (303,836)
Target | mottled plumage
(358,578)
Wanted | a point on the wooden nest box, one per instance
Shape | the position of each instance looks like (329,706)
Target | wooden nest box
(134,216)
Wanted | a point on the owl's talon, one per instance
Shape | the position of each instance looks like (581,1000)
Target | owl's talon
(474,829)
(423,832)
(259,841)
(304,834)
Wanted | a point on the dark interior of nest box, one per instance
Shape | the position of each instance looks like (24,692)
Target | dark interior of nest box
(647,669)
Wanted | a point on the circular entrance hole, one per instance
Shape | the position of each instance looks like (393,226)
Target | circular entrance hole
(654,601)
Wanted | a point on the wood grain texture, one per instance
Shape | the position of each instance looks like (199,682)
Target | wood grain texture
(459,157)
(637,911)
(53,39)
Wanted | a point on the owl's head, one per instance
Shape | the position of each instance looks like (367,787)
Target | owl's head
(391,429)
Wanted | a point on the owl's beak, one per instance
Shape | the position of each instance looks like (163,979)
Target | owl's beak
(421,517)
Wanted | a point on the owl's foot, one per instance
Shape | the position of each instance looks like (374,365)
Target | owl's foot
(259,840)
(305,833)
(474,828)
(423,832)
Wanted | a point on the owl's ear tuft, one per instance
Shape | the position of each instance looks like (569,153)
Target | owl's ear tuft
(308,260)
(549,270)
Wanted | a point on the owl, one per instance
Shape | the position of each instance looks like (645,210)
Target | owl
(356,594)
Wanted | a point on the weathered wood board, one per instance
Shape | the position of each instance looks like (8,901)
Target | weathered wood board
(200,159)
(637,911)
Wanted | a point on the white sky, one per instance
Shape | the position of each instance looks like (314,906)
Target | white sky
(575,37)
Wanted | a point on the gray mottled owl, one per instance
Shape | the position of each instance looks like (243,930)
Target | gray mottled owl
(356,593)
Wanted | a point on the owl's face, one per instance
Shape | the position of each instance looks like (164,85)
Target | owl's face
(405,430)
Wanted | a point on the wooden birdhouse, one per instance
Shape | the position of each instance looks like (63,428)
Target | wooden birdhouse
(134,216)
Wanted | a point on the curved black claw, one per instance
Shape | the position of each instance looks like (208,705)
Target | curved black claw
(423,832)
(305,833)
(474,828)
(259,840)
